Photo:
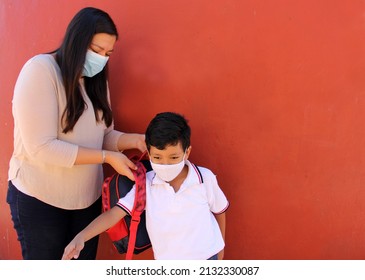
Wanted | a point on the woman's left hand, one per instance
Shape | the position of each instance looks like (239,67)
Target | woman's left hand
(120,163)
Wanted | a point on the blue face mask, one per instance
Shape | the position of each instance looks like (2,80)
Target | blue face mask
(94,63)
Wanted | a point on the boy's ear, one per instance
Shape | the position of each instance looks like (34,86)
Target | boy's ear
(188,150)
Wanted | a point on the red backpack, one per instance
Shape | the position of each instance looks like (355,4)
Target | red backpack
(129,235)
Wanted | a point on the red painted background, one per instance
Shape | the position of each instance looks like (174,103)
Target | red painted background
(275,94)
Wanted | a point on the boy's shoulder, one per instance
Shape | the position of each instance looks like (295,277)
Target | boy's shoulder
(203,169)
(205,172)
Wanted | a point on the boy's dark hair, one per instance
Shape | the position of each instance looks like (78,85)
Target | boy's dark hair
(70,57)
(168,129)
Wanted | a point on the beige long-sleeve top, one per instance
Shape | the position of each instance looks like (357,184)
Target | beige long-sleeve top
(42,164)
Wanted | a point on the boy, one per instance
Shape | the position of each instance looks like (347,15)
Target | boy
(185,218)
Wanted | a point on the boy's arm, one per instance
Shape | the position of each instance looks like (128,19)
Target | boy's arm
(221,219)
(100,224)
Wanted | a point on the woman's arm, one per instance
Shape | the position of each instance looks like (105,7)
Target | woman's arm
(103,222)
(117,160)
(115,141)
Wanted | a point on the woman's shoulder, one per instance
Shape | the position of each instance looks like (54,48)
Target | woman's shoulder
(41,64)
(45,60)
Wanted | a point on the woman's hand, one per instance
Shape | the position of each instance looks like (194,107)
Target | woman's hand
(120,163)
(129,141)
(141,143)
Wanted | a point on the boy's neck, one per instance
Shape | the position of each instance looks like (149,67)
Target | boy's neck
(177,182)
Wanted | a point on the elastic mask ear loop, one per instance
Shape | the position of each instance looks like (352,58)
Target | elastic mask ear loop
(184,155)
(144,155)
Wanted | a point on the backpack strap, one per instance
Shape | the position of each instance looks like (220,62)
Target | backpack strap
(138,207)
(106,194)
(198,172)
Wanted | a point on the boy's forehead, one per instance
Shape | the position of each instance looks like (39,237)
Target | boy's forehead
(168,149)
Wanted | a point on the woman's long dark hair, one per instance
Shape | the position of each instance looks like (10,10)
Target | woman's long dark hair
(70,57)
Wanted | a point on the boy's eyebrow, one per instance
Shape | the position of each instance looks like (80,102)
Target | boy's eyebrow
(173,154)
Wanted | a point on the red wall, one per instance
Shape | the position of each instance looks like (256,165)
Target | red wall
(275,94)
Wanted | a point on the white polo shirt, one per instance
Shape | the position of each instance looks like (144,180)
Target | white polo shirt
(181,225)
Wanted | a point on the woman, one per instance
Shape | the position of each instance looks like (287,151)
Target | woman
(63,133)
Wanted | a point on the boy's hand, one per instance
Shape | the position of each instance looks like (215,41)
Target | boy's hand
(73,249)
(221,255)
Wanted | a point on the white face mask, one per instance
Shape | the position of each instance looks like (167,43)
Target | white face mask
(94,63)
(168,172)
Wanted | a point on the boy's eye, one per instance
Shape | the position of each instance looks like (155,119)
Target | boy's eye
(156,157)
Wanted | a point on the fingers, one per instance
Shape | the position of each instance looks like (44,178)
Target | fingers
(221,255)
(123,165)
(131,165)
(72,254)
(130,176)
(66,254)
(129,173)
(73,250)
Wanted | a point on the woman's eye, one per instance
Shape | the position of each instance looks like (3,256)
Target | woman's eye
(94,50)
